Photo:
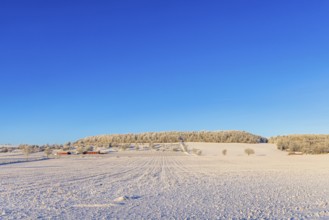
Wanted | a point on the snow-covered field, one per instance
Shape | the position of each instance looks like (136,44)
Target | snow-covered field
(19,157)
(169,185)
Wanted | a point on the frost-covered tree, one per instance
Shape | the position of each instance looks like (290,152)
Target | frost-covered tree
(174,137)
(48,151)
(27,151)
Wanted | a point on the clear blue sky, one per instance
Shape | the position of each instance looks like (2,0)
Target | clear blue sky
(70,69)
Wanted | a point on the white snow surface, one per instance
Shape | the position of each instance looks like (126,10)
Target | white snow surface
(169,185)
(19,157)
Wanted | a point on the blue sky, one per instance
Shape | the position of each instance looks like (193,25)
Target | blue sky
(70,69)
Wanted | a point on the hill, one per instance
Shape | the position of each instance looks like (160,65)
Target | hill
(172,137)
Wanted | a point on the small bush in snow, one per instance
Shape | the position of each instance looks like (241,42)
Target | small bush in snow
(80,150)
(48,151)
(27,150)
(249,151)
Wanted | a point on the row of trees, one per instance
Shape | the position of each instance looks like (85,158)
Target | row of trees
(309,144)
(172,137)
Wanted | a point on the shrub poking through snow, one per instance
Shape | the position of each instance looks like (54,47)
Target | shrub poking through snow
(249,151)
(224,152)
(306,143)
(80,150)
(124,147)
(27,150)
(48,151)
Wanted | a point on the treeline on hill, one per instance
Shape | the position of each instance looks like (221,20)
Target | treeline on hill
(309,144)
(171,137)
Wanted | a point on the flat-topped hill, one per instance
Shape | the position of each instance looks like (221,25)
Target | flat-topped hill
(173,137)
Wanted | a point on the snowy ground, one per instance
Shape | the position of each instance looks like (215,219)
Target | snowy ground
(19,157)
(165,185)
